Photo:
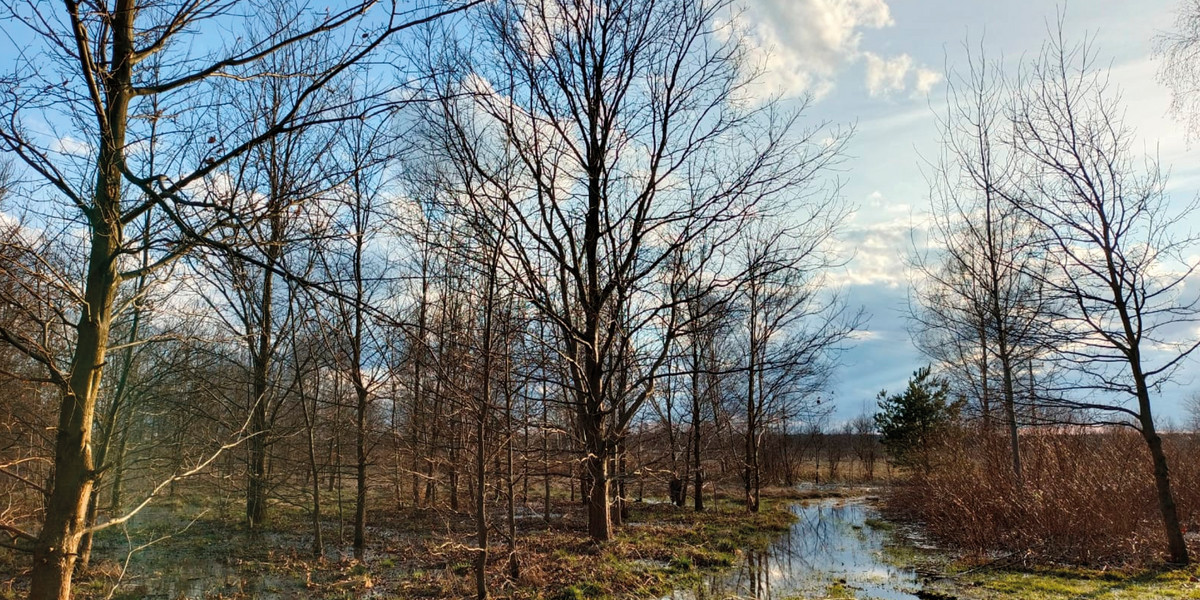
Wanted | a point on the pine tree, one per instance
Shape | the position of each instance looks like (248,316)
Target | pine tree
(911,423)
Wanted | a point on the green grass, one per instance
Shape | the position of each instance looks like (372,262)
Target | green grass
(966,579)
(1063,584)
(838,590)
(879,524)
(669,548)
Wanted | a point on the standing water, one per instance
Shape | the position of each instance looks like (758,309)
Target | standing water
(830,551)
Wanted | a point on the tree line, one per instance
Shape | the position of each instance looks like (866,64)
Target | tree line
(452,250)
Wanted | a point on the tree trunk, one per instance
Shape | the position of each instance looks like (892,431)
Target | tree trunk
(546,461)
(751,459)
(1176,546)
(599,519)
(256,488)
(1010,413)
(360,498)
(310,423)
(118,465)
(514,565)
(698,491)
(481,529)
(56,547)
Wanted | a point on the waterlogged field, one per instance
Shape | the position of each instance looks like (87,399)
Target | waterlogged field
(1062,583)
(842,549)
(833,546)
(828,552)
(185,551)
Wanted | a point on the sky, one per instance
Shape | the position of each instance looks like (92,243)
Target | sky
(879,65)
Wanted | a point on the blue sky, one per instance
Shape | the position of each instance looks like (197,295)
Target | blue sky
(878,64)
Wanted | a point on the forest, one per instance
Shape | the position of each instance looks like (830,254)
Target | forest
(546,299)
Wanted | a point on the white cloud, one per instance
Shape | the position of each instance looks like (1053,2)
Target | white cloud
(926,79)
(879,253)
(888,75)
(71,146)
(862,335)
(801,44)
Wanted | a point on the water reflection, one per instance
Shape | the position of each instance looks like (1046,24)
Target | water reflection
(210,579)
(828,549)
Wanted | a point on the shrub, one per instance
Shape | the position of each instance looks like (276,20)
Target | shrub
(1088,496)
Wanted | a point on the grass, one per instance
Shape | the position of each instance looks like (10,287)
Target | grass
(1057,583)
(838,590)
(879,524)
(965,578)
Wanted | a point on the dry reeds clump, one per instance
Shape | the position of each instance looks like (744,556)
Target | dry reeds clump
(1088,496)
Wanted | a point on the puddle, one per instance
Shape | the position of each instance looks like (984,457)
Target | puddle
(829,546)
(207,580)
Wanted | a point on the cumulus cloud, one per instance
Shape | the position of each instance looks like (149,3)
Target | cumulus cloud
(801,45)
(926,79)
(886,76)
(878,252)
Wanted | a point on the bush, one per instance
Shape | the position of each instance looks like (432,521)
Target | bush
(1088,496)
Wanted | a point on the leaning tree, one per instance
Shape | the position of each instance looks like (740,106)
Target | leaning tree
(1118,261)
(91,71)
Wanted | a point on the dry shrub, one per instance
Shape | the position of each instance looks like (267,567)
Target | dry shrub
(1088,496)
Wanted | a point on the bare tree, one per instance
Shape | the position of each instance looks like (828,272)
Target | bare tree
(100,51)
(982,297)
(793,325)
(618,114)
(1180,68)
(365,149)
(865,444)
(1115,257)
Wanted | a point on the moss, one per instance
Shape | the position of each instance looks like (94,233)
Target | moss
(838,590)
(879,524)
(707,559)
(570,592)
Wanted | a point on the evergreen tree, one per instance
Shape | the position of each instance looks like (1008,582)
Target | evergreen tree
(912,422)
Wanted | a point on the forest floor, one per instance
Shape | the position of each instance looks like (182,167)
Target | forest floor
(187,548)
(180,550)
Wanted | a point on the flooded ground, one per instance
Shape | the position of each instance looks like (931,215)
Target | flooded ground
(837,548)
(830,551)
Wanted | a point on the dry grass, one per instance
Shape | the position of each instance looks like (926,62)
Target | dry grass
(1087,499)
